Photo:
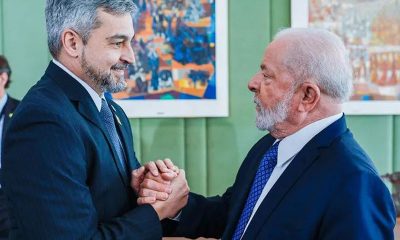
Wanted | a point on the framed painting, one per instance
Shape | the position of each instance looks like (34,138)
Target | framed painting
(181,60)
(371,32)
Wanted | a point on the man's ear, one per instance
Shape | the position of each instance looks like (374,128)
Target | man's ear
(310,95)
(72,43)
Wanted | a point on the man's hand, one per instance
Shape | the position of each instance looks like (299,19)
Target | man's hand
(158,174)
(153,188)
(175,202)
(137,178)
(164,167)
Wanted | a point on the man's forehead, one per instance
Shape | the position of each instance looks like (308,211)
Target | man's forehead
(118,26)
(113,19)
(273,57)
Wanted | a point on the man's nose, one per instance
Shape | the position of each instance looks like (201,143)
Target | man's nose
(128,55)
(254,83)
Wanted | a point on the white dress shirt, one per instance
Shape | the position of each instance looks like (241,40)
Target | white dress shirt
(288,149)
(95,97)
(3,102)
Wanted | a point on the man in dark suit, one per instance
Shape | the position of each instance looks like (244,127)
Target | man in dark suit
(308,178)
(7,107)
(67,168)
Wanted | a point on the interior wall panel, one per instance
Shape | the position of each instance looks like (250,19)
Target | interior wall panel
(195,146)
(162,138)
(396,143)
(1,27)
(280,17)
(135,125)
(229,139)
(375,135)
(24,42)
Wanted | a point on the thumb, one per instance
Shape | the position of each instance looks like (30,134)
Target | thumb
(139,172)
(137,178)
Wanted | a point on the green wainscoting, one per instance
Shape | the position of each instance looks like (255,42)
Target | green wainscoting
(1,26)
(209,149)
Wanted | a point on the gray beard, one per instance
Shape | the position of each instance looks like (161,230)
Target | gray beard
(104,81)
(266,119)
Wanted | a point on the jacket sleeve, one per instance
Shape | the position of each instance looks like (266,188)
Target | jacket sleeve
(211,217)
(201,217)
(45,179)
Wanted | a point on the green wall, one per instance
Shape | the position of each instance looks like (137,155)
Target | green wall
(209,149)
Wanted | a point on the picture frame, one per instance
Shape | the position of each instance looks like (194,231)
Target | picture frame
(376,83)
(182,81)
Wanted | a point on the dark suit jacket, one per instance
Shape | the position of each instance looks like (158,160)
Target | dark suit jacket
(7,112)
(61,174)
(330,190)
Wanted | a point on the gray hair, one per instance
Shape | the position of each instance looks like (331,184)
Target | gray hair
(80,16)
(319,55)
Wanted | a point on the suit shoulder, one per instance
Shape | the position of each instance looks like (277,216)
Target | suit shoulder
(44,101)
(346,151)
(45,94)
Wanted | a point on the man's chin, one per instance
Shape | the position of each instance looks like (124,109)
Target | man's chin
(118,87)
(262,126)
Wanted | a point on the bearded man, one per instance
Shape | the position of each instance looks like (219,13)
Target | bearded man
(68,155)
(308,178)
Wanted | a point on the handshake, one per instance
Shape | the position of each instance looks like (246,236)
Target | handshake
(162,185)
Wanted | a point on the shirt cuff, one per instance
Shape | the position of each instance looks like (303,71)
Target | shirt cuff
(177,217)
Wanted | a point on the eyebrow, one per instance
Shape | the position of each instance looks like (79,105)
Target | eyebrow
(119,36)
(265,68)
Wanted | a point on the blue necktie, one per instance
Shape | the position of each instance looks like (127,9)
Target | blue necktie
(109,122)
(264,171)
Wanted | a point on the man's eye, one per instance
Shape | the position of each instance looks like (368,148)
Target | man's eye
(266,75)
(118,44)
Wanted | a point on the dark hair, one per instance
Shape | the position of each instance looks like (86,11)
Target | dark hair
(5,67)
(81,16)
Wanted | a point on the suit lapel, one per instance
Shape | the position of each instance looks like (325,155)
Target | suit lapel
(252,169)
(287,180)
(123,139)
(123,128)
(299,165)
(245,180)
(85,106)
(9,108)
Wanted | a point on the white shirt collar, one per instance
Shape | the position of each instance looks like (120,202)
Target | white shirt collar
(3,101)
(96,98)
(291,145)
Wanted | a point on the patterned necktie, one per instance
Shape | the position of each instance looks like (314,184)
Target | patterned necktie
(264,171)
(108,118)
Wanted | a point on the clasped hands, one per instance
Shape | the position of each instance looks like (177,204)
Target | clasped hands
(162,185)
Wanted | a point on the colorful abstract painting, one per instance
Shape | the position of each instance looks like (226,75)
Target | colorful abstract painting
(370,30)
(177,59)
